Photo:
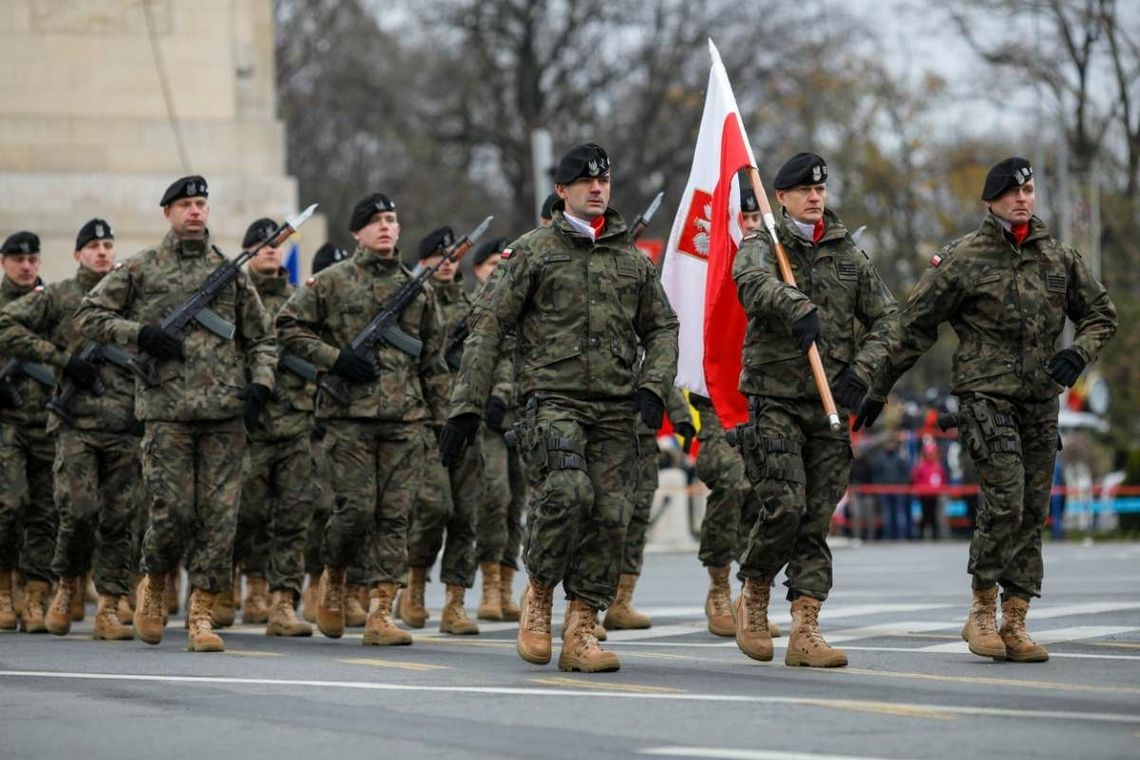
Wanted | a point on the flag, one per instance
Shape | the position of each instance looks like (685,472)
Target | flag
(293,263)
(697,270)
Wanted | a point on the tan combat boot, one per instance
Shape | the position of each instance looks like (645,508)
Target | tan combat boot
(58,618)
(510,610)
(309,599)
(381,630)
(410,606)
(150,608)
(19,585)
(173,591)
(36,595)
(454,618)
(330,602)
(107,624)
(806,646)
(123,609)
(533,643)
(580,650)
(235,589)
(201,636)
(1019,647)
(491,605)
(355,612)
(718,603)
(255,608)
(980,631)
(78,609)
(752,636)
(599,629)
(282,621)
(621,615)
(222,612)
(9,619)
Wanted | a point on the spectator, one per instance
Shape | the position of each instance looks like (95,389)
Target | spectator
(928,478)
(888,468)
(1057,500)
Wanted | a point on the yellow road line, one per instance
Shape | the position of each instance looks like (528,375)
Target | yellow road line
(1113,644)
(883,708)
(466,642)
(398,664)
(1049,685)
(594,684)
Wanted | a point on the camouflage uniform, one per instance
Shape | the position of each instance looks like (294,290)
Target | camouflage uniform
(28,517)
(96,461)
(580,310)
(1007,304)
(727,522)
(498,513)
(194,442)
(375,444)
(788,434)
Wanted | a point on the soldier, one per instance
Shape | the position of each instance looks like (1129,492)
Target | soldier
(375,442)
(28,518)
(207,387)
(582,300)
(96,455)
(788,435)
(546,213)
(1006,289)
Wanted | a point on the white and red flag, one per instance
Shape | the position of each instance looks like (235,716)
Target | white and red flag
(697,270)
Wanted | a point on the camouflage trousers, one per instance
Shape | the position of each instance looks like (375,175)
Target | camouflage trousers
(377,468)
(492,523)
(277,503)
(448,503)
(784,440)
(582,458)
(323,499)
(193,476)
(28,517)
(517,510)
(726,524)
(1014,445)
(97,485)
(638,525)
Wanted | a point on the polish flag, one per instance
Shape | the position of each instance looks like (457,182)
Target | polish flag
(697,270)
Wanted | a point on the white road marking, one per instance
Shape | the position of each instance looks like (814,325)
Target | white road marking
(1045,612)
(1074,633)
(723,753)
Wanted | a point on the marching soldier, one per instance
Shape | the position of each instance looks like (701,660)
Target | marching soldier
(787,435)
(207,386)
(1006,290)
(375,442)
(582,300)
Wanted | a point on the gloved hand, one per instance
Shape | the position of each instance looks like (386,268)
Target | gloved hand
(9,396)
(494,412)
(651,408)
(457,433)
(1065,367)
(849,390)
(82,372)
(687,433)
(159,343)
(869,411)
(806,331)
(255,396)
(354,367)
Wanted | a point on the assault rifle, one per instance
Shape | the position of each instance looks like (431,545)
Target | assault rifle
(309,371)
(14,368)
(384,326)
(96,353)
(646,217)
(197,307)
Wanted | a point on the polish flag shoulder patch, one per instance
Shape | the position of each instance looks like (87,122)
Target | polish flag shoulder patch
(936,260)
(506,254)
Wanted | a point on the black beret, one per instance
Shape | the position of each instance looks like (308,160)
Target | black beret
(21,242)
(96,229)
(368,206)
(748,202)
(801,169)
(1012,172)
(327,255)
(488,249)
(258,231)
(436,241)
(548,206)
(585,160)
(186,187)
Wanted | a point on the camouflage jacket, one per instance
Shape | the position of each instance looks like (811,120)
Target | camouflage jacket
(148,286)
(39,328)
(454,303)
(832,276)
(1007,305)
(289,414)
(676,409)
(325,315)
(711,426)
(580,310)
(31,413)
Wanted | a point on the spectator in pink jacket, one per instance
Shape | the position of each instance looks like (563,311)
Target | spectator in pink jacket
(927,478)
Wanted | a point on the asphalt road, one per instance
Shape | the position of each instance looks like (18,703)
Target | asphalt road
(911,690)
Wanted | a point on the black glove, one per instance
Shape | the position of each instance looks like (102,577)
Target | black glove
(652,408)
(687,433)
(255,396)
(869,411)
(494,412)
(159,343)
(354,367)
(9,396)
(1065,367)
(82,372)
(849,390)
(457,433)
(806,331)
(137,428)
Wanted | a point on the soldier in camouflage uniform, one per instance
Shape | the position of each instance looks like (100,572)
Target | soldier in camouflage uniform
(28,518)
(194,442)
(376,443)
(583,301)
(1005,289)
(788,435)
(96,458)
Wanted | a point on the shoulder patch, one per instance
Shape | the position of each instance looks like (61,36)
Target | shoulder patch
(310,280)
(118,265)
(506,254)
(936,260)
(751,236)
(38,289)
